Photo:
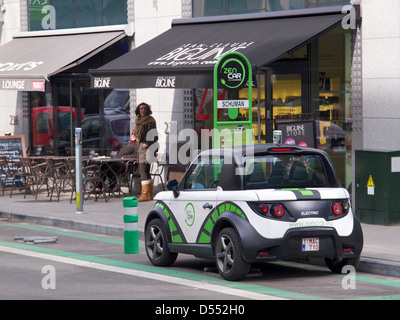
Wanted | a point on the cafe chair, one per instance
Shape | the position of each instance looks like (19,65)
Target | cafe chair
(157,168)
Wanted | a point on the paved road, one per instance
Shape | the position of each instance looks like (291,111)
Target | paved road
(87,266)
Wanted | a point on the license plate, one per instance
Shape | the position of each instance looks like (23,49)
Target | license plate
(310,244)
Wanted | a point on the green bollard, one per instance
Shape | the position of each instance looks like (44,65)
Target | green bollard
(131,233)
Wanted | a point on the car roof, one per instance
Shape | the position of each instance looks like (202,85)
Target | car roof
(261,149)
(229,181)
(108,116)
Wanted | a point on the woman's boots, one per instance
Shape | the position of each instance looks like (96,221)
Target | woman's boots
(147,191)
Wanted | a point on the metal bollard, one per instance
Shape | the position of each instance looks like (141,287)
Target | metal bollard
(131,233)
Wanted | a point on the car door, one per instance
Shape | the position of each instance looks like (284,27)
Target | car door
(198,197)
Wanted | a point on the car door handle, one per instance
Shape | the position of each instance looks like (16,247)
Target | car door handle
(207,206)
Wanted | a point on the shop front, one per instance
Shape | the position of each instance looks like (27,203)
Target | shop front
(52,67)
(301,62)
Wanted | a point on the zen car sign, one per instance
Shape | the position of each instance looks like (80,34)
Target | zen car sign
(233,73)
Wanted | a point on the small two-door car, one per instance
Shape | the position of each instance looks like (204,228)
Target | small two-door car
(255,204)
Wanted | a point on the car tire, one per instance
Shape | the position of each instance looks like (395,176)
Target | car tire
(337,265)
(157,245)
(228,256)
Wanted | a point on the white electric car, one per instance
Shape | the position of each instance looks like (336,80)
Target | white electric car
(255,204)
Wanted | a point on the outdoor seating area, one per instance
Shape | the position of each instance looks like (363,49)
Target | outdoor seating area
(47,177)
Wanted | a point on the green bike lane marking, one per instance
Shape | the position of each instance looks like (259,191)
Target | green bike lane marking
(64,233)
(285,294)
(251,288)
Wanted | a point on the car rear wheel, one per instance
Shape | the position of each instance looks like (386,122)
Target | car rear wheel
(157,245)
(337,265)
(228,255)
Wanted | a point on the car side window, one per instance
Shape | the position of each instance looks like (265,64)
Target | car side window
(43,123)
(204,173)
(94,131)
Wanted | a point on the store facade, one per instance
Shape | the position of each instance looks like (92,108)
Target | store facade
(301,61)
(311,77)
(44,61)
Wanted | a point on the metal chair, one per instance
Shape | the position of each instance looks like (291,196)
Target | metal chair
(157,168)
(53,180)
(66,174)
(29,173)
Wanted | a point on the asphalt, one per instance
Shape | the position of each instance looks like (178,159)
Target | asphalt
(381,253)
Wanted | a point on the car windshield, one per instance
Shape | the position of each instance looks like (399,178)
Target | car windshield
(285,171)
(116,99)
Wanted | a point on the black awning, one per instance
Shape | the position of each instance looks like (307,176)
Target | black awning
(185,55)
(28,61)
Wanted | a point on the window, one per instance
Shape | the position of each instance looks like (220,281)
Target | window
(121,127)
(43,123)
(286,171)
(204,8)
(204,173)
(77,14)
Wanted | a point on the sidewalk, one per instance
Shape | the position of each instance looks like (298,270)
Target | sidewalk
(381,253)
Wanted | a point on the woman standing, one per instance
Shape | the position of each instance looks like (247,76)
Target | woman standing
(144,123)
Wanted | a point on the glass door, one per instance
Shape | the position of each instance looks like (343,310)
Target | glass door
(289,85)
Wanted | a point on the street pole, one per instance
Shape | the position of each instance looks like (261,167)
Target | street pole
(78,170)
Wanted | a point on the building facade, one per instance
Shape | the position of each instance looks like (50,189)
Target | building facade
(347,78)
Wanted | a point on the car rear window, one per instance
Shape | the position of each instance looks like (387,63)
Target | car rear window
(286,171)
(121,127)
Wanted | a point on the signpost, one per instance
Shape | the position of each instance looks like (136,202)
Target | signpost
(232,73)
(78,170)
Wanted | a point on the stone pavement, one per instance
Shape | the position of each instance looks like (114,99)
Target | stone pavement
(381,253)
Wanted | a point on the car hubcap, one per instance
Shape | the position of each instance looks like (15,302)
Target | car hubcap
(154,242)
(225,254)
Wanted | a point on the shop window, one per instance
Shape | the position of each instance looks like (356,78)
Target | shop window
(223,7)
(76,14)
(286,99)
(88,13)
(332,104)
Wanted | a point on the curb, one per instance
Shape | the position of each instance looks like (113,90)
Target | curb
(85,226)
(367,265)
(379,266)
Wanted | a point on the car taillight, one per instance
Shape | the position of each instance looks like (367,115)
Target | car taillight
(337,209)
(280,149)
(278,211)
(114,144)
(270,210)
(264,208)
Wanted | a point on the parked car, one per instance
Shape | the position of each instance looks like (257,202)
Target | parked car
(43,123)
(116,132)
(280,202)
(118,101)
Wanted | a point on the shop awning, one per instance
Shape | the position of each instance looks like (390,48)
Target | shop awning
(31,58)
(185,55)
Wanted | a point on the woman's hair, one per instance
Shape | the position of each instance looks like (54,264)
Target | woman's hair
(148,112)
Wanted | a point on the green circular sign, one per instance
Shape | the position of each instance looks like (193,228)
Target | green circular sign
(189,214)
(233,73)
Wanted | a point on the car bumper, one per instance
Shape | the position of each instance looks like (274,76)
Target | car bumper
(331,245)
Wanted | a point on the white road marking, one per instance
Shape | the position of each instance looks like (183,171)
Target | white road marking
(144,274)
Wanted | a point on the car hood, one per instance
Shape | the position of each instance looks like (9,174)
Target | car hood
(301,194)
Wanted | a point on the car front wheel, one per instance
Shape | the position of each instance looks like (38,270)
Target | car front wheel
(228,255)
(157,245)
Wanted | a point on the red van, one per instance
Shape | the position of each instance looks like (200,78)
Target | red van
(43,124)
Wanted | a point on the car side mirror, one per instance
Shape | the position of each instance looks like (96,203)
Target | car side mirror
(173,186)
